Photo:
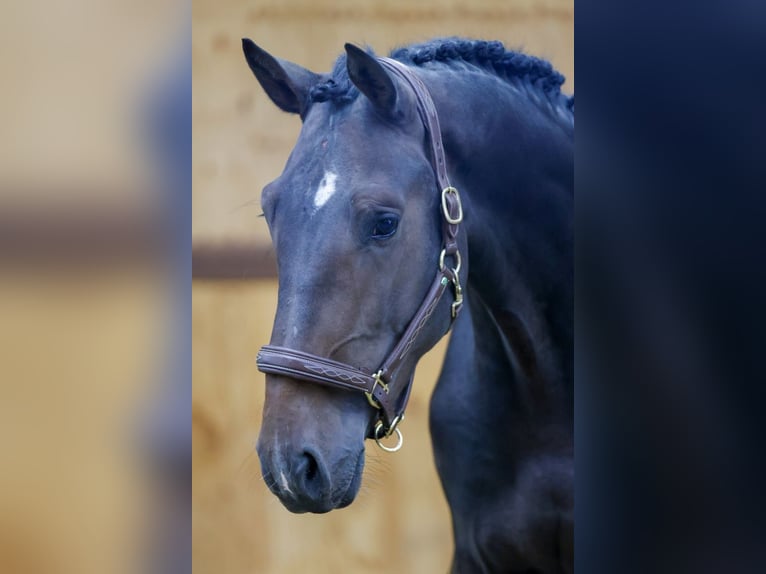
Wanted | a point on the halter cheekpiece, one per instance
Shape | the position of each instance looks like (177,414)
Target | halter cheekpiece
(385,391)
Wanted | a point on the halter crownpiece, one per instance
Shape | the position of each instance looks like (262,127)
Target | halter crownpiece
(385,391)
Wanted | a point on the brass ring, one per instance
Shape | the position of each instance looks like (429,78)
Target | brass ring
(459,261)
(399,442)
(447,215)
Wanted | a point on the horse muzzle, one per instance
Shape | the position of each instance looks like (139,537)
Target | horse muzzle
(303,480)
(311,444)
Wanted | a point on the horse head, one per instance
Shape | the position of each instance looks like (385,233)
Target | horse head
(354,220)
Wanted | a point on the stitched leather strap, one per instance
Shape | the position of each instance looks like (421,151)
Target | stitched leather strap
(305,366)
(430,119)
(385,388)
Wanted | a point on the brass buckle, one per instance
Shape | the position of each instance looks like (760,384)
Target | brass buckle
(378,381)
(447,214)
(391,430)
(458,302)
(456,281)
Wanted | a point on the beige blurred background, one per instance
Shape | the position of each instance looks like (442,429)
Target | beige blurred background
(400,521)
(84,331)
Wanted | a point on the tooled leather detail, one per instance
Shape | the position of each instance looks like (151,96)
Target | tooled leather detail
(422,323)
(330,372)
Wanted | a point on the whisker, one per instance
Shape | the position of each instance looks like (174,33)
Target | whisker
(244,465)
(248,203)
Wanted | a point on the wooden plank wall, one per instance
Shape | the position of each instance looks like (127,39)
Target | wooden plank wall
(400,522)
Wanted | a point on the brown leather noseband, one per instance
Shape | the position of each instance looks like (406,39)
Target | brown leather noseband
(385,390)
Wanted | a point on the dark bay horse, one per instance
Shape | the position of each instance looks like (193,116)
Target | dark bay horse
(451,159)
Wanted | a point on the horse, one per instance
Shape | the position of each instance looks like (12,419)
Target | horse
(428,190)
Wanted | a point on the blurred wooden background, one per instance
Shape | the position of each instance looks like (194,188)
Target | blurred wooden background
(399,522)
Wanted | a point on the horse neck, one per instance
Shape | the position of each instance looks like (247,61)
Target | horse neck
(511,156)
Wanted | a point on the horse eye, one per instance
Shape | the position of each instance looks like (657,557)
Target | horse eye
(385,226)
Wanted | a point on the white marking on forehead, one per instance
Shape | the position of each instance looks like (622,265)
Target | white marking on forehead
(326,189)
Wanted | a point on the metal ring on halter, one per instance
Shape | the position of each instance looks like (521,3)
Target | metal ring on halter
(443,254)
(399,442)
(447,215)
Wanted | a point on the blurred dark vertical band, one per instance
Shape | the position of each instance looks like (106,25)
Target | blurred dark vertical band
(168,421)
(670,274)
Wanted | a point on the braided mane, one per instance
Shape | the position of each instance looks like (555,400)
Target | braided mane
(454,53)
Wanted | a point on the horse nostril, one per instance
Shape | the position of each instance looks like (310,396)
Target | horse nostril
(310,476)
(312,468)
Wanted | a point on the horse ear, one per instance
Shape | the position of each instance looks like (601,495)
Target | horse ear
(372,79)
(287,84)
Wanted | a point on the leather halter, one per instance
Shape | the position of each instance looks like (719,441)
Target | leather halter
(384,388)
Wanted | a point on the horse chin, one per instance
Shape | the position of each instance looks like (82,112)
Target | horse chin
(300,507)
(353,486)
